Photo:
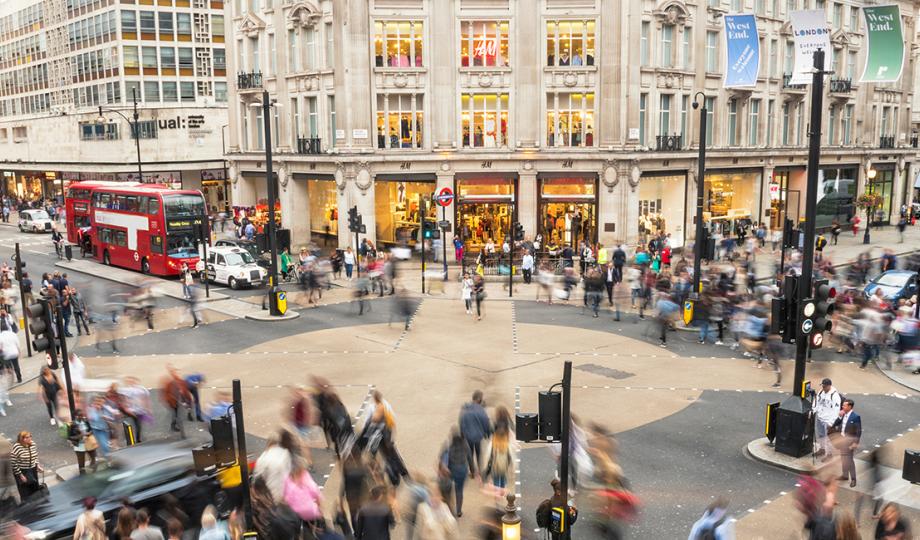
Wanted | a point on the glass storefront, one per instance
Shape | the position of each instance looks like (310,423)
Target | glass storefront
(568,210)
(787,188)
(396,209)
(484,210)
(215,189)
(836,196)
(661,207)
(882,184)
(730,199)
(324,208)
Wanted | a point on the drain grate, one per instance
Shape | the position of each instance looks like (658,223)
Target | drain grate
(605,371)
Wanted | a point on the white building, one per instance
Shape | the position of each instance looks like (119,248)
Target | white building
(60,60)
(572,117)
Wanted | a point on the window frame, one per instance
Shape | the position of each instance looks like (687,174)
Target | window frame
(468,32)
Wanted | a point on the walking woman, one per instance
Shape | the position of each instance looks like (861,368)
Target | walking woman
(479,293)
(457,462)
(84,442)
(49,387)
(466,293)
(349,260)
(25,465)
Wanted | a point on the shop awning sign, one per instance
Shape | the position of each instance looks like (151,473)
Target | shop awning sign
(810,33)
(445,196)
(885,59)
(743,51)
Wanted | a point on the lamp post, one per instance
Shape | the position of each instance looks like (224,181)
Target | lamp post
(511,521)
(871,174)
(699,102)
(266,105)
(135,128)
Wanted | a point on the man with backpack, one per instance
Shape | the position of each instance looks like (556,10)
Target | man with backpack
(715,523)
(827,409)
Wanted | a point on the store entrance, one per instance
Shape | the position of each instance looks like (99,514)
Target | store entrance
(566,223)
(484,222)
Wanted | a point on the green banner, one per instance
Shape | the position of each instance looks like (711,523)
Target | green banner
(885,59)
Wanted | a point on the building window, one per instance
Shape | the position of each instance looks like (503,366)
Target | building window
(789,57)
(570,119)
(851,65)
(151,91)
(220,59)
(187,91)
(570,43)
(312,117)
(687,47)
(295,121)
(754,123)
(847,125)
(886,121)
(710,119)
(760,7)
(785,132)
(148,22)
(664,114)
(259,126)
(838,15)
(332,129)
(220,92)
(732,122)
(149,57)
(166,22)
(684,119)
(790,6)
(167,57)
(293,52)
(186,58)
(170,94)
(712,51)
(398,44)
(484,43)
(799,124)
(771,110)
(147,129)
(128,21)
(737,6)
(643,43)
(272,53)
(330,46)
(309,45)
(130,59)
(667,49)
(254,54)
(400,120)
(831,127)
(643,112)
(184,25)
(217,26)
(854,19)
(484,120)
(91,131)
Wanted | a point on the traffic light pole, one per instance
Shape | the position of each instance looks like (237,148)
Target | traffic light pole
(511,223)
(811,202)
(65,357)
(444,239)
(22,299)
(205,238)
(700,188)
(241,457)
(423,213)
(564,450)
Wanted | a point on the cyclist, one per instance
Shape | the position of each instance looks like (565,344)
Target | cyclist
(58,243)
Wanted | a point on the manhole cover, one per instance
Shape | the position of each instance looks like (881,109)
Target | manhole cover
(605,371)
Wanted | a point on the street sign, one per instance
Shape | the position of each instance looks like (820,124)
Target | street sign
(444,225)
(688,312)
(362,229)
(445,196)
(807,325)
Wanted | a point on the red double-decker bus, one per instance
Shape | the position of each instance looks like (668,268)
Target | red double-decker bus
(146,227)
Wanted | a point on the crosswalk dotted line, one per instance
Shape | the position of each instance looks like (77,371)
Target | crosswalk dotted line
(364,404)
(409,326)
(518,486)
(514,337)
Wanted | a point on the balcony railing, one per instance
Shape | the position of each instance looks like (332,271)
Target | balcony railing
(886,141)
(786,78)
(913,141)
(247,81)
(841,86)
(668,143)
(311,145)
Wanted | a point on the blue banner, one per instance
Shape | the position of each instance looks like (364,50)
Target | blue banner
(742,51)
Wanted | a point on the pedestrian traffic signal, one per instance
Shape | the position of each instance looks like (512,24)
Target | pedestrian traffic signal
(518,232)
(784,311)
(354,220)
(823,309)
(18,266)
(708,244)
(41,326)
(430,230)
(791,235)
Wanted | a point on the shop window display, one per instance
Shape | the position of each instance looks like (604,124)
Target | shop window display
(570,119)
(397,210)
(484,212)
(324,209)
(484,120)
(399,120)
(398,44)
(730,200)
(570,43)
(568,211)
(883,185)
(661,207)
(484,44)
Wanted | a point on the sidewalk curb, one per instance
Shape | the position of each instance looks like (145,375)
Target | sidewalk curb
(204,299)
(896,381)
(753,451)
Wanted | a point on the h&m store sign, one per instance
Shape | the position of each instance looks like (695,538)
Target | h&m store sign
(192,121)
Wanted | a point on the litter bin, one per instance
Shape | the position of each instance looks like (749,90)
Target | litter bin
(68,251)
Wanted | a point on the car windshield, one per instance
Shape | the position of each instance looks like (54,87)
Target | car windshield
(181,245)
(39,214)
(892,280)
(183,205)
(239,258)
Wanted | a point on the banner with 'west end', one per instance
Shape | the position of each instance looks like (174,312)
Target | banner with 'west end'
(742,51)
(885,58)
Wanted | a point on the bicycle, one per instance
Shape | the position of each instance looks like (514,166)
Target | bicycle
(59,249)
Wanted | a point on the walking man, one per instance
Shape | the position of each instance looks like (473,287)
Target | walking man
(827,409)
(849,425)
(475,425)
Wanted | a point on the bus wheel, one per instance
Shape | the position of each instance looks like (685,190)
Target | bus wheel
(145,266)
(106,260)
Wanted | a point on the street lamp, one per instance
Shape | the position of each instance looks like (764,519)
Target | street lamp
(511,521)
(871,174)
(274,290)
(699,102)
(135,128)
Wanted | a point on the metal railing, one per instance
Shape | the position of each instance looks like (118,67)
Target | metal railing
(840,86)
(247,81)
(309,145)
(668,143)
(886,141)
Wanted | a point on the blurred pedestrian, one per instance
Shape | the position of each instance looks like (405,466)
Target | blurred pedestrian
(9,350)
(475,425)
(891,525)
(9,495)
(174,394)
(211,528)
(827,407)
(302,495)
(83,441)
(49,389)
(715,524)
(276,462)
(846,527)
(456,459)
(91,523)
(99,424)
(479,294)
(125,524)
(466,292)
(375,518)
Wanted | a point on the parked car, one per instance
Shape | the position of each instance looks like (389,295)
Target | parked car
(142,474)
(36,220)
(895,285)
(234,267)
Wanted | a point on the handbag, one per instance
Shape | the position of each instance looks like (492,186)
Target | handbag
(90,443)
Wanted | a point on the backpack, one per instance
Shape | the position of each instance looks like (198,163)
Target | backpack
(709,533)
(544,514)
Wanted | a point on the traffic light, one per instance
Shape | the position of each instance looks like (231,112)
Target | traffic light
(518,232)
(42,328)
(354,220)
(823,309)
(709,245)
(18,266)
(784,311)
(430,230)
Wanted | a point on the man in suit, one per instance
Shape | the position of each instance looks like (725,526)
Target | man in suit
(849,425)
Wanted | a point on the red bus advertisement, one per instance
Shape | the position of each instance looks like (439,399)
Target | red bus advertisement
(145,227)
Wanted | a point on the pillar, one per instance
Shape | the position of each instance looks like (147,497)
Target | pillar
(353,58)
(526,201)
(358,191)
(528,94)
(295,208)
(442,70)
(446,180)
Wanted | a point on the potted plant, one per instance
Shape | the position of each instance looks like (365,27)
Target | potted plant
(868,202)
